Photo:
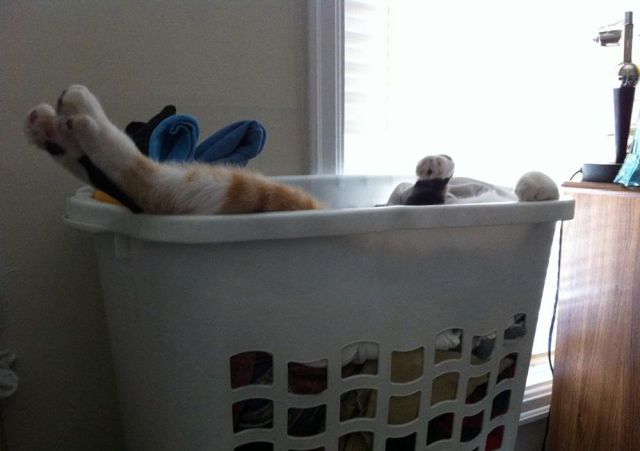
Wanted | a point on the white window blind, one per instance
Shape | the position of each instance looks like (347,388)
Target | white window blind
(366,79)
(503,87)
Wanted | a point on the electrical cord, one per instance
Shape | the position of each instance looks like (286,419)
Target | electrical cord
(555,301)
(550,340)
(579,171)
(553,318)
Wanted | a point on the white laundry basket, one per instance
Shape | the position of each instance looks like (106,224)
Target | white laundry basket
(353,301)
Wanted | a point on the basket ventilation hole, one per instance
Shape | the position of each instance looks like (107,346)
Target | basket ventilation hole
(516,329)
(500,404)
(251,368)
(309,378)
(359,358)
(494,439)
(306,422)
(406,366)
(403,409)
(477,388)
(362,441)
(508,367)
(471,427)
(448,345)
(444,388)
(440,428)
(482,348)
(359,403)
(252,414)
(401,443)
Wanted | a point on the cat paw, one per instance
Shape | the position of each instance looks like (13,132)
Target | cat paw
(40,125)
(435,167)
(84,128)
(81,118)
(536,186)
(44,129)
(77,100)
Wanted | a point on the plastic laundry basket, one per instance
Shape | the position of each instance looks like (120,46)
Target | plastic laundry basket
(352,328)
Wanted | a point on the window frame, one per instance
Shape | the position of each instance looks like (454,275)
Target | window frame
(326,85)
(326,124)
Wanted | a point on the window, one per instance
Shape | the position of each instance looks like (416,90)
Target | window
(503,87)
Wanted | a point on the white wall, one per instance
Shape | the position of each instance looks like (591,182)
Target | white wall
(220,61)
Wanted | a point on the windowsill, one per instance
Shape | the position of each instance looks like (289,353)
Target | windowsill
(537,394)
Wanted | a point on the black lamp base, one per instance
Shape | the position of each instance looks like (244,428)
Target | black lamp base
(603,173)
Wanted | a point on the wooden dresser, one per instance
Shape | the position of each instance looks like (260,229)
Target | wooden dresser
(596,390)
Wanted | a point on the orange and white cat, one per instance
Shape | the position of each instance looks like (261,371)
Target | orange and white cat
(80,137)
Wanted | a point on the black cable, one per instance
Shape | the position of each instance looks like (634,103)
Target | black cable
(546,431)
(553,318)
(579,171)
(555,302)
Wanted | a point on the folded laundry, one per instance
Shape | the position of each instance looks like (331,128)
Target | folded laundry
(140,132)
(307,380)
(516,330)
(168,136)
(359,403)
(235,144)
(447,340)
(171,137)
(310,378)
(354,353)
(174,139)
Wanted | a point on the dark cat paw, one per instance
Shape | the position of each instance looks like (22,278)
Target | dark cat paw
(435,167)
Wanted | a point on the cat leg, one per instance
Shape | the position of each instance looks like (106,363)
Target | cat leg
(41,127)
(153,187)
(536,186)
(434,173)
(82,119)
(76,100)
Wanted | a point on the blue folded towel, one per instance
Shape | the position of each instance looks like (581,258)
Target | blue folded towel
(175,139)
(235,144)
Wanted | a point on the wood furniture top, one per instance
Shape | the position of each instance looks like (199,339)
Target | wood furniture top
(600,188)
(596,389)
